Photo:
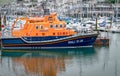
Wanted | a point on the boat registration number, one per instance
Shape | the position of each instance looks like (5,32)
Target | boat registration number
(75,41)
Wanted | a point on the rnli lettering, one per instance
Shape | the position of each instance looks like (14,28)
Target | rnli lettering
(73,42)
(79,41)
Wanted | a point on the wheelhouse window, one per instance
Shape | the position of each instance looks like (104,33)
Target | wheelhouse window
(60,25)
(56,26)
(51,26)
(41,27)
(36,26)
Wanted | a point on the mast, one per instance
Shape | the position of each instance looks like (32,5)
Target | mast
(44,4)
(116,8)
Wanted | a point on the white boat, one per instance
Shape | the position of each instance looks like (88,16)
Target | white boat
(115,28)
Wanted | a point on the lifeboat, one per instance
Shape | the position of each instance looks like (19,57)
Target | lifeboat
(45,32)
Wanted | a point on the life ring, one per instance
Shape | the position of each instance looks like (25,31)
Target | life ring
(58,33)
(36,34)
(66,33)
(63,33)
(27,34)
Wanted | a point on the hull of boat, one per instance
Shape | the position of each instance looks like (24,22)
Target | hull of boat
(44,43)
(115,30)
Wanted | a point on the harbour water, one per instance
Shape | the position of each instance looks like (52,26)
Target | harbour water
(94,61)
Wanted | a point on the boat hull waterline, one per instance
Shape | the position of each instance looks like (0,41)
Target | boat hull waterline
(36,43)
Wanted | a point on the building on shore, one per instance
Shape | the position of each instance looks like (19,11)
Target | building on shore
(73,8)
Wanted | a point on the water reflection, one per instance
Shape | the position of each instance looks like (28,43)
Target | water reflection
(46,62)
(96,61)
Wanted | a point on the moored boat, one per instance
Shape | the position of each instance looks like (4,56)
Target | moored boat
(115,28)
(46,33)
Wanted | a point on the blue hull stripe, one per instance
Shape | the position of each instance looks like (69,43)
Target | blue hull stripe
(75,42)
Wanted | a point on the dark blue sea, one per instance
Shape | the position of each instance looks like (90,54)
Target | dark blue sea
(93,61)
